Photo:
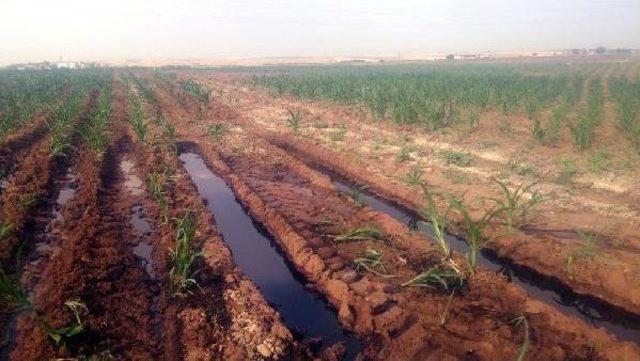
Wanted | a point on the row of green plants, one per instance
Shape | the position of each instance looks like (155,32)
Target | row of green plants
(95,130)
(24,93)
(427,95)
(137,118)
(183,257)
(626,94)
(589,117)
(196,90)
(62,125)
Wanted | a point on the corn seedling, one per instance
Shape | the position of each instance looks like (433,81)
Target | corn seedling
(524,348)
(474,230)
(516,205)
(371,261)
(414,176)
(217,131)
(169,134)
(191,86)
(588,249)
(29,201)
(137,117)
(404,155)
(359,234)
(62,336)
(294,120)
(5,229)
(157,187)
(438,278)
(438,222)
(457,158)
(12,291)
(183,258)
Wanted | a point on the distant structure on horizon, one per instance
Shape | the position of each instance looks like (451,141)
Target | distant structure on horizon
(46,65)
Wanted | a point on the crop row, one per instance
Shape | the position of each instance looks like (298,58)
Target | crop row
(627,96)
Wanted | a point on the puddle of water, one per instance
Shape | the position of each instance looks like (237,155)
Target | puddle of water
(138,220)
(131,180)
(66,193)
(624,325)
(256,253)
(143,249)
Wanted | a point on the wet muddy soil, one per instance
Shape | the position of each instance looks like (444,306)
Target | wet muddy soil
(259,257)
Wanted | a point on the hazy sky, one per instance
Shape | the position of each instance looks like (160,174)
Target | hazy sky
(33,30)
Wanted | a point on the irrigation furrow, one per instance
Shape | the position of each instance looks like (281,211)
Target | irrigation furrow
(586,281)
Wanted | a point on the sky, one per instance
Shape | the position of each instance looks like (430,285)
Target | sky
(116,30)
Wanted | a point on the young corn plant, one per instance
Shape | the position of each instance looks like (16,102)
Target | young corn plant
(12,291)
(217,131)
(156,182)
(359,234)
(371,261)
(474,230)
(183,258)
(438,222)
(29,201)
(438,278)
(404,155)
(516,205)
(294,120)
(414,176)
(137,117)
(587,250)
(5,229)
(63,336)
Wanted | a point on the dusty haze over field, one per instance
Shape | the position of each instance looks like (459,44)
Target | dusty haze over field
(35,30)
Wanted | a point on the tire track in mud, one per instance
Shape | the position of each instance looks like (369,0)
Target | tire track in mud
(28,204)
(230,320)
(546,321)
(92,266)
